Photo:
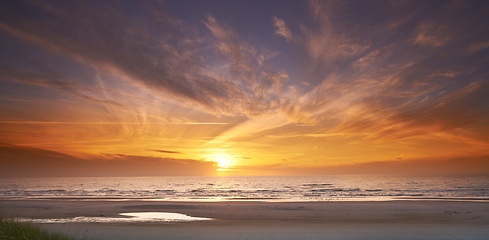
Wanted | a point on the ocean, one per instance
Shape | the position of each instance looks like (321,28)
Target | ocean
(266,188)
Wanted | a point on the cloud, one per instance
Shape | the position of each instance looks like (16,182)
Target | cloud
(47,76)
(158,53)
(442,74)
(20,161)
(163,151)
(282,29)
(400,103)
(250,127)
(115,43)
(328,42)
(476,47)
(432,35)
(387,117)
(255,86)
(394,90)
(366,60)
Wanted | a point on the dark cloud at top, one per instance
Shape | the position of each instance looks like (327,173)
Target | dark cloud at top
(106,35)
(141,42)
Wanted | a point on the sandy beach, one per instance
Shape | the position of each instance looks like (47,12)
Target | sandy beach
(402,219)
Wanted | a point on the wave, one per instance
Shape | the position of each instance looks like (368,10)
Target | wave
(247,188)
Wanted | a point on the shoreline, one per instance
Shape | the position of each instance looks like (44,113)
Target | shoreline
(426,219)
(265,200)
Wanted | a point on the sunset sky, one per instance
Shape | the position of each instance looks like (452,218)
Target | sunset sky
(143,88)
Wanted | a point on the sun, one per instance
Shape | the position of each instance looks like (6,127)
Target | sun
(224,161)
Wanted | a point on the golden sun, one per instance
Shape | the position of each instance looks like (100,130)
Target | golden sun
(223,160)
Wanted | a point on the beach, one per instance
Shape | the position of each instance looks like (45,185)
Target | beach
(399,219)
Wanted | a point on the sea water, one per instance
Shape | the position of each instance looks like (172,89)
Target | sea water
(266,188)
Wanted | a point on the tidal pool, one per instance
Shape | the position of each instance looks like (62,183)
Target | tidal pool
(165,216)
(126,217)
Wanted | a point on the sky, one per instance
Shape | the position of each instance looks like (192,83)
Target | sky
(154,88)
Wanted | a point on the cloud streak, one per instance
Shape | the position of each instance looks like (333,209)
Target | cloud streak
(163,151)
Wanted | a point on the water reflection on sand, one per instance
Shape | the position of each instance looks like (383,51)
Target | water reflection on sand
(163,216)
(126,217)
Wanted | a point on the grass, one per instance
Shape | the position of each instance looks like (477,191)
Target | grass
(14,230)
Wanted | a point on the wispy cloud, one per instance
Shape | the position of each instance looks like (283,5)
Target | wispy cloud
(248,128)
(394,90)
(254,85)
(366,60)
(432,35)
(327,42)
(476,47)
(282,29)
(387,121)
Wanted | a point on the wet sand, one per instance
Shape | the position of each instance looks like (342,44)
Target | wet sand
(403,219)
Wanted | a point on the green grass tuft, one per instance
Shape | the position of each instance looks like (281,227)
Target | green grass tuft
(14,230)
